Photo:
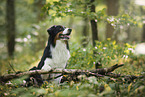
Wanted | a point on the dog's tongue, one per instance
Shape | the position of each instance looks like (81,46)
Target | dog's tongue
(64,37)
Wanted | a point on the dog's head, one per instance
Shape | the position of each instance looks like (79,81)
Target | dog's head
(59,32)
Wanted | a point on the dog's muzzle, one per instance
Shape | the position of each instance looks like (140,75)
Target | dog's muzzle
(66,34)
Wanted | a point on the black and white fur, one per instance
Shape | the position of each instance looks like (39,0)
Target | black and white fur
(56,53)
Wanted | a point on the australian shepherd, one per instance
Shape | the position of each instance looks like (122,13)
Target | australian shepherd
(56,55)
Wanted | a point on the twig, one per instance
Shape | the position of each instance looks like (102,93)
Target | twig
(107,70)
(12,67)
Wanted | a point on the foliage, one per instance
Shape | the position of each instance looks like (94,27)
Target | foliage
(28,53)
(82,58)
(81,8)
(106,52)
(122,20)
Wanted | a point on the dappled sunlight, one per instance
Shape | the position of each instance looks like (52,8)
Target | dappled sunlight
(140,2)
(105,33)
(140,49)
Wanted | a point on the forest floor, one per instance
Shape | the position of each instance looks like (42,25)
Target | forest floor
(108,53)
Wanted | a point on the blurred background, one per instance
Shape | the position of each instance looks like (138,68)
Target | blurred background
(24,24)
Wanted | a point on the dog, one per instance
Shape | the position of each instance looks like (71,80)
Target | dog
(56,55)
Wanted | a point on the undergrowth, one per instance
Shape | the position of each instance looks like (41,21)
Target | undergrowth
(107,53)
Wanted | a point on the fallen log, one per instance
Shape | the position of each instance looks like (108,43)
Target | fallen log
(96,72)
(73,73)
(128,78)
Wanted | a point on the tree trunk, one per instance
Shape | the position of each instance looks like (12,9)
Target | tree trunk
(143,36)
(93,25)
(112,10)
(85,32)
(126,3)
(143,33)
(38,6)
(85,29)
(10,26)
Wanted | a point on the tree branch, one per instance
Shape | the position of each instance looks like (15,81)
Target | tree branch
(127,77)
(107,70)
(97,72)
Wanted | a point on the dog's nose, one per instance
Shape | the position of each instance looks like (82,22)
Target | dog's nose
(69,30)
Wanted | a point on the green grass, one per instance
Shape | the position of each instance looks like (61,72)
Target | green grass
(108,53)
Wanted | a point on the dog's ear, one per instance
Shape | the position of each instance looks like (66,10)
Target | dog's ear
(50,30)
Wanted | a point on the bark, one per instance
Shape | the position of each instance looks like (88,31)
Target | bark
(112,10)
(85,31)
(10,25)
(94,26)
(126,8)
(143,36)
(38,6)
(125,76)
(143,33)
(122,78)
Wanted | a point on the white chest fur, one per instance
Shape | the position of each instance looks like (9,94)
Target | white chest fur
(60,55)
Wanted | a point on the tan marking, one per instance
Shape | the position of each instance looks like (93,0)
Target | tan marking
(57,37)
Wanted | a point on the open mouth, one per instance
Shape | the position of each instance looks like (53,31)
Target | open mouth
(64,36)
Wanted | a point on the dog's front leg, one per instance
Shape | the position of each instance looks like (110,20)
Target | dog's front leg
(46,67)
